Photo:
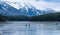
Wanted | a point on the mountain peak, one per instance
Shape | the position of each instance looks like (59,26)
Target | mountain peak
(24,9)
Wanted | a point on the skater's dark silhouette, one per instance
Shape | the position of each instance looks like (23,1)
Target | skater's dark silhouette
(28,24)
(56,23)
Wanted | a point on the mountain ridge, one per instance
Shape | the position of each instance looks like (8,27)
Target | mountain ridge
(26,10)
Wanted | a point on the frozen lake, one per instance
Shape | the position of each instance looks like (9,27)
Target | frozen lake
(30,28)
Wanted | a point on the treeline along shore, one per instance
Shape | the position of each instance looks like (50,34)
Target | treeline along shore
(44,17)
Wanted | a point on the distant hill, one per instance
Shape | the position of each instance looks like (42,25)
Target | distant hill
(3,18)
(47,17)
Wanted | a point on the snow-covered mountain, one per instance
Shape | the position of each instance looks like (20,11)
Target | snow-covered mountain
(27,10)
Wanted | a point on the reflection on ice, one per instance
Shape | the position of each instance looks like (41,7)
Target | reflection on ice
(16,33)
(30,28)
(0,33)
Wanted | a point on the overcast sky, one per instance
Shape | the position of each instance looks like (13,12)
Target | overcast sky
(40,4)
